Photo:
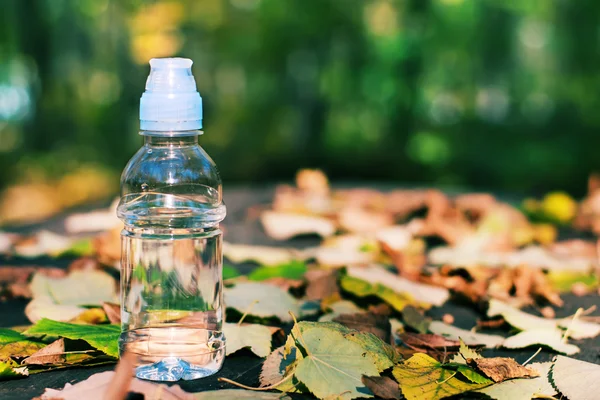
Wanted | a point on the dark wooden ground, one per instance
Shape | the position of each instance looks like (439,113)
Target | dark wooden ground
(244,367)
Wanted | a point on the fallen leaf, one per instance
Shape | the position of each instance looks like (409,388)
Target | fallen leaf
(43,308)
(15,344)
(360,220)
(322,283)
(253,336)
(101,337)
(96,387)
(271,301)
(107,246)
(361,288)
(470,338)
(578,329)
(284,226)
(464,353)
(54,353)
(416,319)
(523,389)
(378,325)
(339,308)
(383,387)
(421,292)
(113,312)
(276,366)
(92,316)
(552,338)
(93,221)
(343,250)
(500,369)
(575,379)
(238,394)
(384,355)
(263,255)
(333,365)
(422,377)
(43,243)
(292,270)
(427,341)
(230,272)
(10,370)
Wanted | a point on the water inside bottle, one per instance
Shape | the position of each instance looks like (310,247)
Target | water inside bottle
(171,278)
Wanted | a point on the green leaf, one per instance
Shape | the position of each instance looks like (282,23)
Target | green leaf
(291,270)
(333,365)
(523,389)
(464,353)
(230,271)
(261,300)
(15,344)
(563,280)
(422,294)
(10,370)
(422,377)
(253,336)
(101,337)
(384,355)
(80,248)
(361,288)
(472,375)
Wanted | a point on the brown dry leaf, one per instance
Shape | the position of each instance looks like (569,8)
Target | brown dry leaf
(322,283)
(113,312)
(427,341)
(54,353)
(383,387)
(107,246)
(379,325)
(115,386)
(500,369)
(401,203)
(380,309)
(476,204)
(361,198)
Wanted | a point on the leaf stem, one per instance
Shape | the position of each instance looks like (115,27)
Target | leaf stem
(531,358)
(247,312)
(299,333)
(568,331)
(270,387)
(446,380)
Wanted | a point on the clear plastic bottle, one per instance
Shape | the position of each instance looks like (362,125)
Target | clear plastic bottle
(171,204)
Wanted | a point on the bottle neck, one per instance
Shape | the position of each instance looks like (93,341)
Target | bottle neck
(165,139)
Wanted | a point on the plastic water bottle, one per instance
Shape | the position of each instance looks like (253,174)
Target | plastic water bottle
(171,204)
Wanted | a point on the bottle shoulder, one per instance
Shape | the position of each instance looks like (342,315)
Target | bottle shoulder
(171,187)
(175,170)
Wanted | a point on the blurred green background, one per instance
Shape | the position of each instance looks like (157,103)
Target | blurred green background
(483,94)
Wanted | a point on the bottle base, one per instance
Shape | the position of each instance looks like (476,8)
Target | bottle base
(170,354)
(173,369)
